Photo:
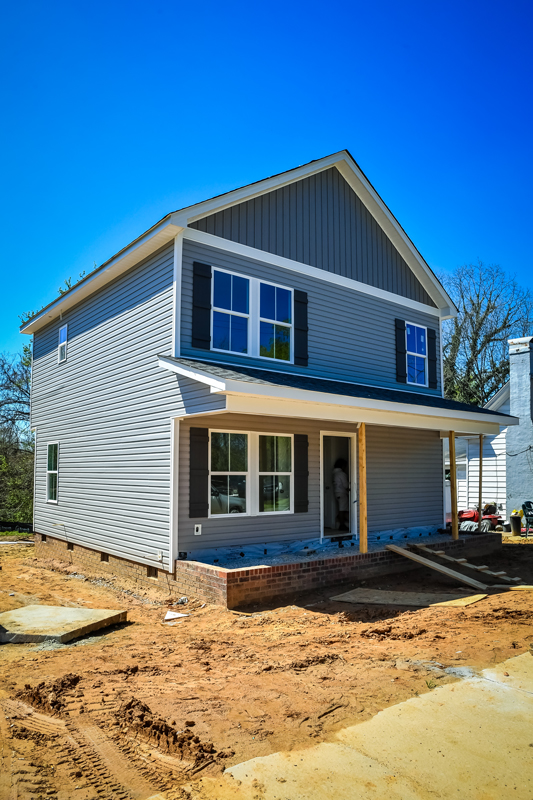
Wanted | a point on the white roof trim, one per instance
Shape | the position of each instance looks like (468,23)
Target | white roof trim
(348,168)
(231,386)
(141,248)
(501,397)
(193,235)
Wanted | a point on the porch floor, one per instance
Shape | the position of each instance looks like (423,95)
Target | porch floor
(271,554)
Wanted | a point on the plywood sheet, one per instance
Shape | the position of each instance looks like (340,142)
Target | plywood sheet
(395,598)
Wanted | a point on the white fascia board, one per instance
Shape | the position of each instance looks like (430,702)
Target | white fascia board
(308,396)
(137,251)
(263,406)
(191,234)
(366,193)
(216,384)
(501,397)
(383,216)
(206,207)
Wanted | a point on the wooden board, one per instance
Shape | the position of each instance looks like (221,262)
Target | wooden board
(450,573)
(461,602)
(379,597)
(462,562)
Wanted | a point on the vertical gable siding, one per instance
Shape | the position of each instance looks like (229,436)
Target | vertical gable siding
(108,406)
(319,221)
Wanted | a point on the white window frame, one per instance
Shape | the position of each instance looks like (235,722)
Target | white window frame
(410,353)
(216,472)
(230,313)
(52,472)
(254,317)
(252,475)
(291,474)
(62,344)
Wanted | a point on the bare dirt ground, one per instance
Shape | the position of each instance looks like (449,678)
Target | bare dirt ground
(147,707)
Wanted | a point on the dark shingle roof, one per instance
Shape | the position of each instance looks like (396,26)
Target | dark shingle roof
(312,384)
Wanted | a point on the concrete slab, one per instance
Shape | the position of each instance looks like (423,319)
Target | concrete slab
(54,623)
(470,740)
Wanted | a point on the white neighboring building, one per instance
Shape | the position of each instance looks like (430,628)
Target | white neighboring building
(494,464)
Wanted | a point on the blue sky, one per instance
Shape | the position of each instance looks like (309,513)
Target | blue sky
(116,113)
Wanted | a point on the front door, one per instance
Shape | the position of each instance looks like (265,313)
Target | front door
(338,487)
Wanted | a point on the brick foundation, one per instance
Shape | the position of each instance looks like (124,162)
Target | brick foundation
(241,587)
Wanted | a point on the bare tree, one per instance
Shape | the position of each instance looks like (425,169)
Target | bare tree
(492,309)
(15,382)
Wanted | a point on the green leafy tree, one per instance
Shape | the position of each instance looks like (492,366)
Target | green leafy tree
(493,308)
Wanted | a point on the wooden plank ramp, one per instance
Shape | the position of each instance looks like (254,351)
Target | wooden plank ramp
(425,562)
(462,562)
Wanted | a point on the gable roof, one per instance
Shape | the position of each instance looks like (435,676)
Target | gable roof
(169,226)
(499,399)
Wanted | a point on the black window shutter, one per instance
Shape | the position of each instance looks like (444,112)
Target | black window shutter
(432,358)
(301,473)
(301,356)
(401,352)
(199,473)
(201,305)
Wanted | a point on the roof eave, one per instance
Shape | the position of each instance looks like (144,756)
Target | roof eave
(232,386)
(153,239)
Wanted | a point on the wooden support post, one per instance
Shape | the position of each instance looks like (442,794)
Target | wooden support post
(453,487)
(363,519)
(480,493)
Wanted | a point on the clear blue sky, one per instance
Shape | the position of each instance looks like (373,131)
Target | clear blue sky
(116,113)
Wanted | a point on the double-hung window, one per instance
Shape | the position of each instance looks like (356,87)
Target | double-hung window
(229,472)
(62,345)
(275,322)
(231,303)
(416,345)
(250,473)
(251,317)
(52,472)
(275,473)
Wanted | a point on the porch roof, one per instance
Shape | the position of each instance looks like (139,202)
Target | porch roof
(392,406)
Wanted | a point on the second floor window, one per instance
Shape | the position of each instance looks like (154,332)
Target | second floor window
(62,345)
(230,312)
(275,322)
(416,341)
(251,317)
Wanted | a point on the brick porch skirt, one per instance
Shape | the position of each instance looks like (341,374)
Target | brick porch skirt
(250,585)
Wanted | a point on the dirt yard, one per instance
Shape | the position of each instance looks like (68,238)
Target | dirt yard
(151,707)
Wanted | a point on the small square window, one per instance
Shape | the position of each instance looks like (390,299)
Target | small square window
(151,572)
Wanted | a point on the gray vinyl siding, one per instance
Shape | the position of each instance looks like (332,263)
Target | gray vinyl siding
(351,334)
(405,479)
(405,486)
(108,406)
(319,221)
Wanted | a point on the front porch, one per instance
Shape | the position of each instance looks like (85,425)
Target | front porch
(265,582)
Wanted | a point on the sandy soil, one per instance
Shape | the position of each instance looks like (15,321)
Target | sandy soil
(148,707)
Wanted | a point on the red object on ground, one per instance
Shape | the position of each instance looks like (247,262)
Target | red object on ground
(468,516)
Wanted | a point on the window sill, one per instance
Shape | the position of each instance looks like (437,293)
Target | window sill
(52,502)
(249,355)
(254,516)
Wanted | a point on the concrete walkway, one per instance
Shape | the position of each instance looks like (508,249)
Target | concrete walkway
(471,740)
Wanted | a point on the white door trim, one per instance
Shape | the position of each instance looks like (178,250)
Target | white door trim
(352,435)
